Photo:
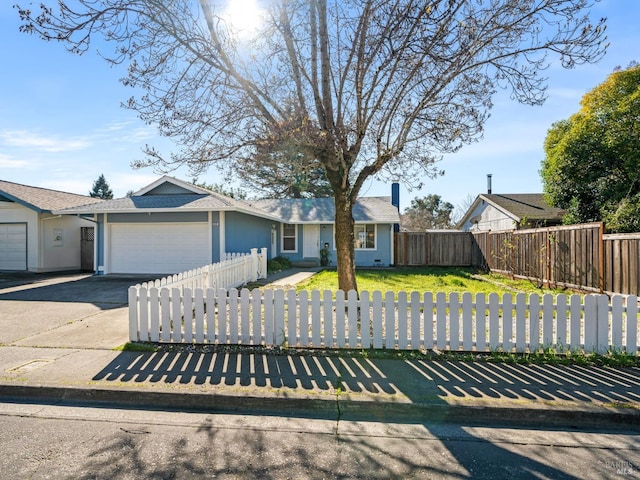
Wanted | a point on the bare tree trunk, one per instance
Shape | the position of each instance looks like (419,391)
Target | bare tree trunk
(345,252)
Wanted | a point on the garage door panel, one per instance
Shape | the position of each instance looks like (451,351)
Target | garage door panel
(158,248)
(13,246)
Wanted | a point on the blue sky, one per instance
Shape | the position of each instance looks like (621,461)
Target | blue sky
(61,124)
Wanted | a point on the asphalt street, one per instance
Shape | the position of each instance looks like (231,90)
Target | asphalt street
(81,442)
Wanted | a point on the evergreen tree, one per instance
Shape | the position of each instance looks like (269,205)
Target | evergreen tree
(101,189)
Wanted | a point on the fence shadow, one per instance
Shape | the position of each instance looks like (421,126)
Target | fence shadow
(413,381)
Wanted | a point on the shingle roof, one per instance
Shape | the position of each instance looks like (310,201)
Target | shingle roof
(315,210)
(43,199)
(159,202)
(531,206)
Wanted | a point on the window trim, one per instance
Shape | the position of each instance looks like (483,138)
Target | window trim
(295,237)
(375,236)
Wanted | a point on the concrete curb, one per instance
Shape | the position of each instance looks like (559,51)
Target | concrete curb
(329,408)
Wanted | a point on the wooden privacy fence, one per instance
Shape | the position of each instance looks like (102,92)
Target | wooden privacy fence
(622,263)
(569,256)
(574,256)
(379,320)
(440,248)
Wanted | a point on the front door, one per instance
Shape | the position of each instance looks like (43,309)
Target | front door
(311,241)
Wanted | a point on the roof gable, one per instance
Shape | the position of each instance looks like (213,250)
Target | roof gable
(522,206)
(42,199)
(170,186)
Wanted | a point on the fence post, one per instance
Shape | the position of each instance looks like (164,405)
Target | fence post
(253,273)
(133,314)
(262,272)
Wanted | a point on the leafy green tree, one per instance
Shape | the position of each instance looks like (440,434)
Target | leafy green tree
(427,213)
(101,189)
(592,160)
(365,88)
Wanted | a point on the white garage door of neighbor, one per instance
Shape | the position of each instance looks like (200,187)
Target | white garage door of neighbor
(13,246)
(158,248)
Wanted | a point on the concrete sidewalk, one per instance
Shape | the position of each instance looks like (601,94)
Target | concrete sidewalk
(327,387)
(68,367)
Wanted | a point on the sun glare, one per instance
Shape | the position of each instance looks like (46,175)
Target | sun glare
(244,16)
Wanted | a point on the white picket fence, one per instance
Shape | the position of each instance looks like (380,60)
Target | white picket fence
(235,270)
(379,320)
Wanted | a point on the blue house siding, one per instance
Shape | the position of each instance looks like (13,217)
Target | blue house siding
(381,256)
(244,232)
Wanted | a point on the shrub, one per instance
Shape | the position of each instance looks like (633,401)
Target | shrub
(277,264)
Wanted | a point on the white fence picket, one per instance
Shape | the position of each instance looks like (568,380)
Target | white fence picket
(534,321)
(365,320)
(631,344)
(441,320)
(154,304)
(340,320)
(278,318)
(353,313)
(454,321)
(187,316)
(303,314)
(481,323)
(507,323)
(494,321)
(428,319)
(521,322)
(316,333)
(389,320)
(376,307)
(379,319)
(467,322)
(327,308)
(292,334)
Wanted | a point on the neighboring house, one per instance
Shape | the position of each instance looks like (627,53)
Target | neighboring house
(491,212)
(34,239)
(172,226)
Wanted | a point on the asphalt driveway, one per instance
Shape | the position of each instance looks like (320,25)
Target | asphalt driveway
(64,311)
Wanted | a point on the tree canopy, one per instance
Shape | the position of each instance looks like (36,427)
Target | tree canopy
(101,189)
(426,213)
(592,160)
(362,87)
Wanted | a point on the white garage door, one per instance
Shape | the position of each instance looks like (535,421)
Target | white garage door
(13,246)
(158,248)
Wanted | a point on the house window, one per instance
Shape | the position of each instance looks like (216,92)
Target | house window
(289,238)
(365,236)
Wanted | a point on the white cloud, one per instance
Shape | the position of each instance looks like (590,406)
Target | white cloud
(9,162)
(35,141)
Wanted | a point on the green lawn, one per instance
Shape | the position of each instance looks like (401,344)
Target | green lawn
(426,279)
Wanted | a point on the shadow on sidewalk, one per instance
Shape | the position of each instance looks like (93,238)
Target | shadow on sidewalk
(415,381)
(410,381)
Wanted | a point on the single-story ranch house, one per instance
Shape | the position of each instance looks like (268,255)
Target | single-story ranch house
(35,239)
(172,226)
